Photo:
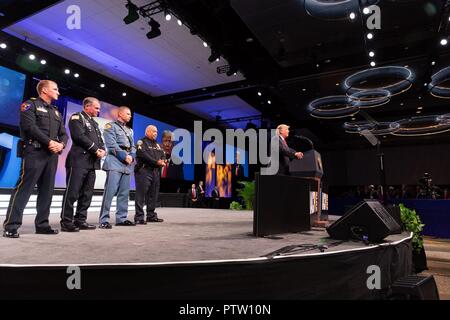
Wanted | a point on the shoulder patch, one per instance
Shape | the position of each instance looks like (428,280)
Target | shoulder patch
(25,106)
(108,126)
(75,117)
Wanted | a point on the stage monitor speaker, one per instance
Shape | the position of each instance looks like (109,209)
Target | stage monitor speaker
(394,211)
(367,221)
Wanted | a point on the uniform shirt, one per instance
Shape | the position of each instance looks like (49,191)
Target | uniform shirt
(87,139)
(41,122)
(117,137)
(148,152)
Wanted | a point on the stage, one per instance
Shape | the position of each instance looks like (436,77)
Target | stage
(196,254)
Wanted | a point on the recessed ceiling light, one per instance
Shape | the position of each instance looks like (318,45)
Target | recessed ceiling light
(352,15)
(43,61)
(32,57)
(370,35)
(67,71)
(3,45)
(168,17)
(102,85)
(444,42)
(179,22)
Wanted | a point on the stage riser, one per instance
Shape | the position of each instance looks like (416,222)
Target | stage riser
(57,204)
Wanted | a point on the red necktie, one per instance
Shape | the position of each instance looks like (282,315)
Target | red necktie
(164,171)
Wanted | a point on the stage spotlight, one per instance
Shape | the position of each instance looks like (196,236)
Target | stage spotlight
(205,44)
(43,61)
(366,10)
(444,42)
(371,54)
(259,93)
(167,15)
(124,94)
(102,85)
(352,15)
(214,55)
(3,45)
(133,14)
(76,75)
(373,64)
(154,31)
(179,22)
(370,35)
(32,57)
(67,71)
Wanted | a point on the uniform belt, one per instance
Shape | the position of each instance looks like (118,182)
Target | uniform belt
(127,149)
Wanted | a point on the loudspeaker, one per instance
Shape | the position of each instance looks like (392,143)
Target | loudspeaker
(394,211)
(367,221)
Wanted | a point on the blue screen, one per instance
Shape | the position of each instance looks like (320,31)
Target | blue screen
(12,86)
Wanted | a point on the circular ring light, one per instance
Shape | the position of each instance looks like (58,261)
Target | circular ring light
(421,126)
(407,78)
(444,119)
(438,78)
(334,10)
(332,107)
(358,126)
(371,98)
(375,128)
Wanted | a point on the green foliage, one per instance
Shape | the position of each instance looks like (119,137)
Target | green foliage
(412,223)
(247,193)
(235,206)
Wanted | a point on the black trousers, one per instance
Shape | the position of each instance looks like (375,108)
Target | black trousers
(38,168)
(147,191)
(80,187)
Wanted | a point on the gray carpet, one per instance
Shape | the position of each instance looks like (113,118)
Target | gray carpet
(185,235)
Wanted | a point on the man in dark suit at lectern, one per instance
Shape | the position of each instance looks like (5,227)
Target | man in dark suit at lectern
(285,154)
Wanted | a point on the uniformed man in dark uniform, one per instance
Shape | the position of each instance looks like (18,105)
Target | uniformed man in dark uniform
(83,159)
(150,159)
(43,137)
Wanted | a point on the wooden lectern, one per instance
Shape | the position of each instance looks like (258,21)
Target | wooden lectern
(310,167)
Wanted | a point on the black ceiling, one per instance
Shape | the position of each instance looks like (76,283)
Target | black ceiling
(282,50)
(12,11)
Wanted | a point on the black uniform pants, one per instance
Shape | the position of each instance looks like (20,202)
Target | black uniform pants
(38,167)
(147,191)
(80,187)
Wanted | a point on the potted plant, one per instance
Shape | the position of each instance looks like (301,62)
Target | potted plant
(412,223)
(247,193)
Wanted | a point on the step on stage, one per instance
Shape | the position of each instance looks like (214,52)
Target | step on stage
(196,254)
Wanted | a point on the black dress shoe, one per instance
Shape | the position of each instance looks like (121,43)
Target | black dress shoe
(85,226)
(10,234)
(47,231)
(140,222)
(105,225)
(126,223)
(155,220)
(69,227)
